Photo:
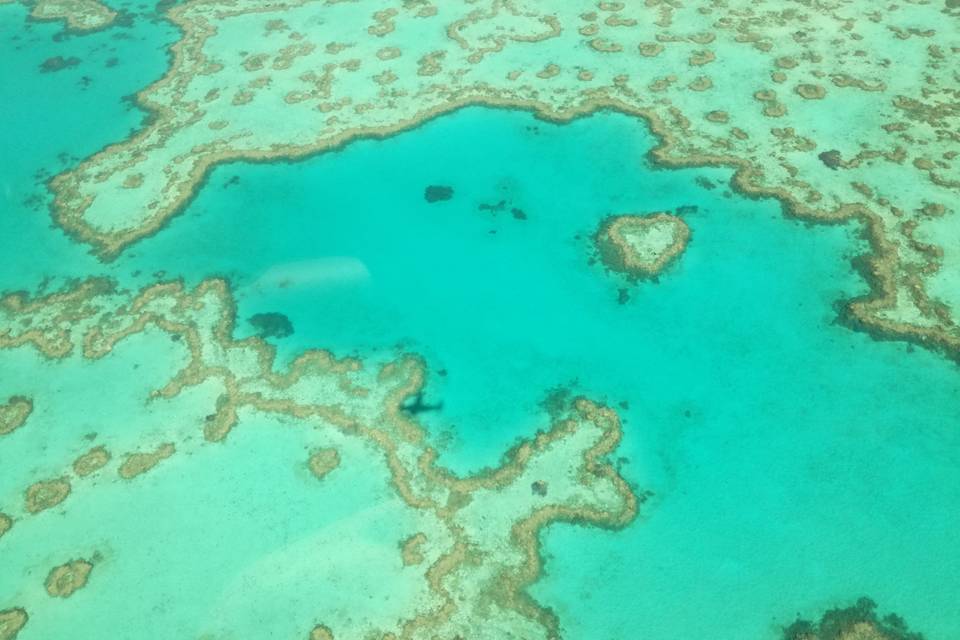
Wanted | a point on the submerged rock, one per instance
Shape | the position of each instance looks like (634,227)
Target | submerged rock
(832,159)
(58,63)
(271,325)
(437,193)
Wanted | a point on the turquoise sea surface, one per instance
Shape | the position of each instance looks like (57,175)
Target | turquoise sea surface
(794,463)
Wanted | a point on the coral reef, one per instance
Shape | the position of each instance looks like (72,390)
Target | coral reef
(65,580)
(11,622)
(80,16)
(478,536)
(140,462)
(14,413)
(858,622)
(641,246)
(323,462)
(858,68)
(46,494)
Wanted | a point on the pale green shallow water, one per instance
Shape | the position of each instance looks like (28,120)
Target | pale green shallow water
(795,464)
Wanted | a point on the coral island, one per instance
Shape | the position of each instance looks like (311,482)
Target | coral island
(66,579)
(641,246)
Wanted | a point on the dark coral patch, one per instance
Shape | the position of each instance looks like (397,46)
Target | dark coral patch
(831,158)
(271,325)
(58,63)
(437,193)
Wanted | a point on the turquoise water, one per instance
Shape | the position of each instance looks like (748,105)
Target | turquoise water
(794,464)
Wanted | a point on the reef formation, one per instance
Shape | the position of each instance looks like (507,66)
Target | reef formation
(46,494)
(140,462)
(858,622)
(11,622)
(477,539)
(80,16)
(14,413)
(91,461)
(843,110)
(641,246)
(323,462)
(65,580)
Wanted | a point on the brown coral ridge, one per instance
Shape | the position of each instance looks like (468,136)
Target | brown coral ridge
(6,523)
(411,549)
(508,589)
(526,533)
(370,407)
(68,308)
(81,316)
(878,267)
(765,169)
(859,622)
(11,622)
(14,413)
(65,580)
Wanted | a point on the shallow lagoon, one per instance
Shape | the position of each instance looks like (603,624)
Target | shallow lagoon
(794,464)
